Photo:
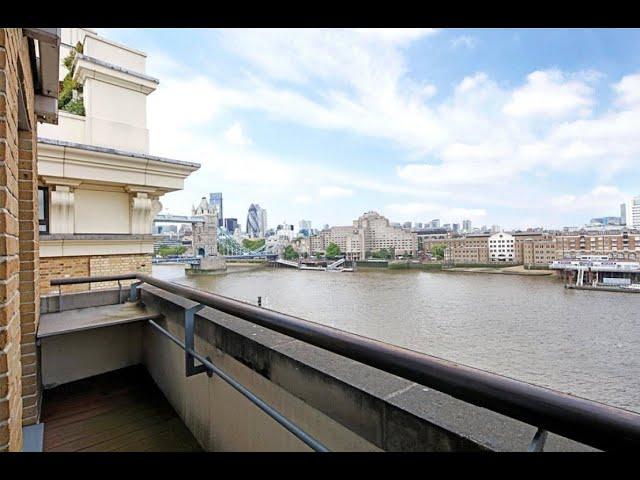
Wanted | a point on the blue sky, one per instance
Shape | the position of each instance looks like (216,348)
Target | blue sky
(520,128)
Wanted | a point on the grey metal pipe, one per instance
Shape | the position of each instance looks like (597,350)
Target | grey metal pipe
(101,278)
(596,424)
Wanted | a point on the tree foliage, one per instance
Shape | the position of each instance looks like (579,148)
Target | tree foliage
(438,251)
(166,251)
(66,100)
(253,244)
(383,254)
(332,250)
(290,253)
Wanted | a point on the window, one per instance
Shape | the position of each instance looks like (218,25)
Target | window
(43,209)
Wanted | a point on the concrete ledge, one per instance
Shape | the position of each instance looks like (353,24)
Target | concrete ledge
(387,411)
(94,236)
(84,299)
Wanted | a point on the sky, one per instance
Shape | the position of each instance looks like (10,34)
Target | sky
(519,128)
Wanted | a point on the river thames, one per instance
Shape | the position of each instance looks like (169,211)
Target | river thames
(529,328)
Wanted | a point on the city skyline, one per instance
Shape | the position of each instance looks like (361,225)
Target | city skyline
(629,216)
(485,125)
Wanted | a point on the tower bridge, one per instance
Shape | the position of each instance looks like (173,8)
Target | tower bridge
(227,245)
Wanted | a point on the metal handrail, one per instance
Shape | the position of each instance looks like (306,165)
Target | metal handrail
(273,413)
(586,421)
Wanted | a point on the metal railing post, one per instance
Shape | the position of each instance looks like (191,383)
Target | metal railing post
(189,340)
(133,292)
(210,368)
(538,441)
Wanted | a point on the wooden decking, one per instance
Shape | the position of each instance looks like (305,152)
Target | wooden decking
(117,411)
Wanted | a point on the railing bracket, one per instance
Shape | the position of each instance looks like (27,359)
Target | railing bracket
(133,293)
(189,337)
(538,441)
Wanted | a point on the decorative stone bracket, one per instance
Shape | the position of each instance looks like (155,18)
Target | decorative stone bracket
(144,207)
(62,208)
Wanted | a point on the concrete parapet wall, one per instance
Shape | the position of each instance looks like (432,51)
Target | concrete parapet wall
(345,404)
(93,298)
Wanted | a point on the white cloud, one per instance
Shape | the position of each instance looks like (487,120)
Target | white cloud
(334,192)
(236,136)
(549,93)
(466,41)
(429,91)
(606,197)
(418,211)
(628,90)
(303,199)
(396,35)
(469,83)
(484,135)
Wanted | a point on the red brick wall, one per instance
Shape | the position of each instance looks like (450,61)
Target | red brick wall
(29,272)
(17,291)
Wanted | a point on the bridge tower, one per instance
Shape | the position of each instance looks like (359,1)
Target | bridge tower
(205,240)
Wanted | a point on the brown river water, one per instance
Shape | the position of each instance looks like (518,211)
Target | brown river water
(530,328)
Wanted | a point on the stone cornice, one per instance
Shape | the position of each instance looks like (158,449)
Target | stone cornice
(125,237)
(73,245)
(89,67)
(73,161)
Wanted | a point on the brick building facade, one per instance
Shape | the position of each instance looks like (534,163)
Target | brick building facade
(19,239)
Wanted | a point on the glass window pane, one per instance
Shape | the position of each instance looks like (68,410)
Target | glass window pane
(41,204)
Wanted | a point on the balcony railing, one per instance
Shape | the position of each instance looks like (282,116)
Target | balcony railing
(586,421)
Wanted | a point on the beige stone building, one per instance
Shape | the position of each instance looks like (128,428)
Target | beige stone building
(371,232)
(540,251)
(470,249)
(541,248)
(99,189)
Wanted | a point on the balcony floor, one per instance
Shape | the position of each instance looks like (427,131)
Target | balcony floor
(121,411)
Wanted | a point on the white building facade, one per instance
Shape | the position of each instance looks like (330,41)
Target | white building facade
(635,212)
(99,187)
(502,248)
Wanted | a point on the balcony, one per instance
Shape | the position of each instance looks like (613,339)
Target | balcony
(157,366)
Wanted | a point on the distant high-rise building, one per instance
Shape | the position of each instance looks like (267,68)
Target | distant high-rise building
(304,228)
(446,226)
(230,224)
(216,199)
(635,212)
(263,220)
(456,227)
(254,224)
(406,225)
(256,221)
(495,228)
(466,226)
(417,225)
(435,223)
(285,230)
(304,225)
(623,214)
(605,221)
